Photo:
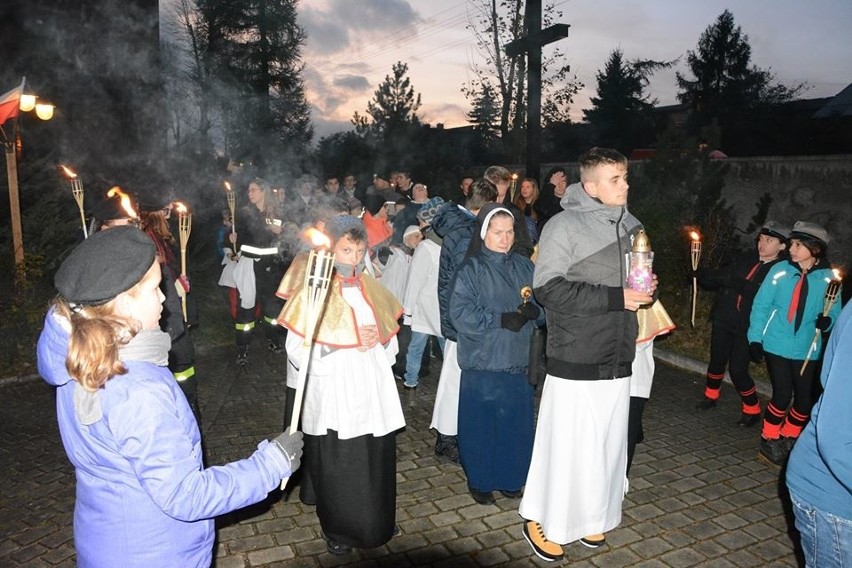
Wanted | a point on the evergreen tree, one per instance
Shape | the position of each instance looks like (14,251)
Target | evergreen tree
(391,123)
(484,115)
(622,115)
(344,152)
(394,105)
(271,117)
(725,85)
(241,60)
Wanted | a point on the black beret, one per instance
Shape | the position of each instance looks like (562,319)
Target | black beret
(105,265)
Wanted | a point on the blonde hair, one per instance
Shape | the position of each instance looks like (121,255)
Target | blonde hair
(97,333)
(268,208)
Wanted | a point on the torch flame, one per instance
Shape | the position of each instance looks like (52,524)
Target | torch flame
(317,238)
(514,176)
(694,236)
(125,200)
(227,186)
(181,208)
(68,172)
(837,274)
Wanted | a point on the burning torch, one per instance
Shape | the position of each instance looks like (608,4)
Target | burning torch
(513,186)
(828,300)
(184,228)
(318,274)
(232,203)
(125,201)
(695,255)
(77,192)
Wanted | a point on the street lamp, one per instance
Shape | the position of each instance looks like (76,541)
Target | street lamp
(10,104)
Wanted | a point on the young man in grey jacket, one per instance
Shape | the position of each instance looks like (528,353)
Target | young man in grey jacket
(577,477)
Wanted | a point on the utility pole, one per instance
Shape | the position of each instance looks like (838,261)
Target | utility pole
(531,45)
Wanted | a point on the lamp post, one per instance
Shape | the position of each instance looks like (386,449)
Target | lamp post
(11,143)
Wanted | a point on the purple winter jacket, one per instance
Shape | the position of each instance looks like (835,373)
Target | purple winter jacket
(143,495)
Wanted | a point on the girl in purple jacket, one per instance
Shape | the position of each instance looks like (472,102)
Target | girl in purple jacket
(143,497)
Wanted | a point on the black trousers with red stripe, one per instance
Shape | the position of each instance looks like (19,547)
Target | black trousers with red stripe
(729,348)
(788,384)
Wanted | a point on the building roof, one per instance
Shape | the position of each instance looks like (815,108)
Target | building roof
(838,105)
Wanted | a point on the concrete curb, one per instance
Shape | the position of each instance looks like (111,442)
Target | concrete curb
(700,367)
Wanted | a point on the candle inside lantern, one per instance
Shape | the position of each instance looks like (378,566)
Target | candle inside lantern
(77,192)
(640,274)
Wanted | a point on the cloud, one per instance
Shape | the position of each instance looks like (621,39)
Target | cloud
(448,114)
(324,127)
(378,15)
(326,34)
(352,82)
(330,31)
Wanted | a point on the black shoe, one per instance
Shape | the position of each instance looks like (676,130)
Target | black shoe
(748,420)
(336,548)
(275,347)
(786,445)
(513,494)
(706,404)
(772,452)
(447,449)
(483,497)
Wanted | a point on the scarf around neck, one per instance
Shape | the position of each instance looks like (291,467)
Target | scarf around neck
(150,346)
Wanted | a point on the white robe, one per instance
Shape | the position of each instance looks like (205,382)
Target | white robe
(445,414)
(422,311)
(643,370)
(577,477)
(349,391)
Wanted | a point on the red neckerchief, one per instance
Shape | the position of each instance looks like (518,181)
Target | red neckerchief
(748,277)
(798,300)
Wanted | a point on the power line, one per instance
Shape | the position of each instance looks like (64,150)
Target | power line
(394,42)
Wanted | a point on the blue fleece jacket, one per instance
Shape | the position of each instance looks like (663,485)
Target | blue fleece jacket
(820,467)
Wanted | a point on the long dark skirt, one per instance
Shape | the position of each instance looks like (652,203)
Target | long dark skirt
(355,485)
(495,429)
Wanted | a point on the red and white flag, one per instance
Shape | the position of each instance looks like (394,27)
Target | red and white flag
(10,103)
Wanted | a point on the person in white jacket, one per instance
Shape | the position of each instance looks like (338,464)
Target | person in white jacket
(422,311)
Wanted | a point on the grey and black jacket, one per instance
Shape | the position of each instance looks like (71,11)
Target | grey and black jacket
(579,279)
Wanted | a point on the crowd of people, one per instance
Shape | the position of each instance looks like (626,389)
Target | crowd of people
(468,283)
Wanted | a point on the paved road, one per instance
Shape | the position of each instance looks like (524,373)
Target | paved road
(698,495)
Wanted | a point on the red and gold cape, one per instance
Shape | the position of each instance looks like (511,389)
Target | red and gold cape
(337,327)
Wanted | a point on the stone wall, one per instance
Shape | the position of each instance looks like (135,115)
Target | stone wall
(808,188)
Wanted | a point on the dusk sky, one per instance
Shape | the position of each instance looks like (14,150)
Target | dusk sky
(352,45)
